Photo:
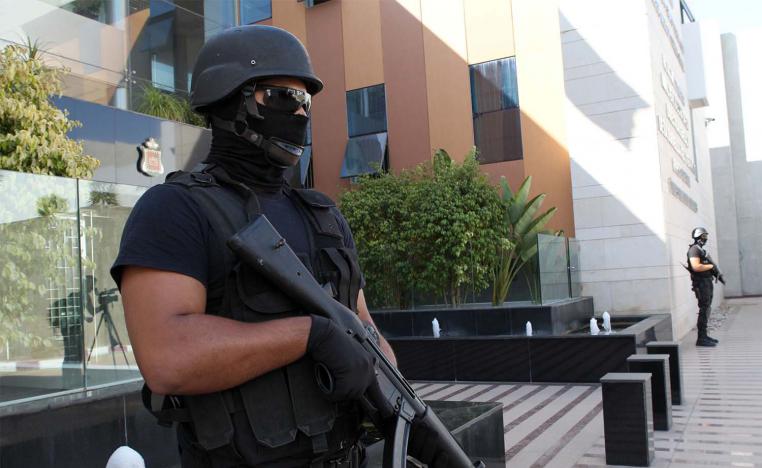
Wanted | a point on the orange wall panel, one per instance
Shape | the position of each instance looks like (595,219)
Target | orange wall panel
(405,79)
(329,110)
(447,82)
(539,66)
(363,58)
(513,171)
(292,17)
(489,30)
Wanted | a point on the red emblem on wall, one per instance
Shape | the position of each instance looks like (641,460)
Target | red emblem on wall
(149,162)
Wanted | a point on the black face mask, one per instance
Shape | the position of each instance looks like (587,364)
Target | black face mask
(286,132)
(245,161)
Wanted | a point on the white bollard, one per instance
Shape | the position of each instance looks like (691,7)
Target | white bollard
(125,457)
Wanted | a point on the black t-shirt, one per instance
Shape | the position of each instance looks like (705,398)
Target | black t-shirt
(696,251)
(167,230)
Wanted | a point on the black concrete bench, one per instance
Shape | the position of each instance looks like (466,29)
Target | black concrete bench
(675,371)
(658,366)
(628,418)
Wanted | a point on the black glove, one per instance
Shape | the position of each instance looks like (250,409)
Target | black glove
(350,366)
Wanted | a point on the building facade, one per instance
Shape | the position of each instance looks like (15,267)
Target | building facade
(640,183)
(736,148)
(404,78)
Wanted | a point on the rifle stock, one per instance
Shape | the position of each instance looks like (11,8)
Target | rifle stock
(390,398)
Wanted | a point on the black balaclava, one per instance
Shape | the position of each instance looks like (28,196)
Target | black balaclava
(242,159)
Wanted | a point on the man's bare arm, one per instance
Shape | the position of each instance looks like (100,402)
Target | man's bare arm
(181,351)
(698,267)
(364,314)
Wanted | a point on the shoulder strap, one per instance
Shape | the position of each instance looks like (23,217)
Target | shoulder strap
(314,198)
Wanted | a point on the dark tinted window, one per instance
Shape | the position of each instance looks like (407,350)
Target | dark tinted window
(253,11)
(495,107)
(366,110)
(364,155)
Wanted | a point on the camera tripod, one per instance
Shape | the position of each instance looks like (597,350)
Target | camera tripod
(106,316)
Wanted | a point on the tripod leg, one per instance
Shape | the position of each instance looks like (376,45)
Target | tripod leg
(97,329)
(112,329)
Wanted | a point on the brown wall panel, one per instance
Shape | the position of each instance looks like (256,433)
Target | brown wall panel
(513,171)
(329,110)
(363,59)
(292,17)
(447,82)
(405,79)
(539,68)
(489,30)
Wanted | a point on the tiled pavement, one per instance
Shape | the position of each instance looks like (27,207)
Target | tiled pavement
(719,424)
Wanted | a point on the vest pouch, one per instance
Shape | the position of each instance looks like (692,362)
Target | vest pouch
(269,410)
(347,284)
(313,413)
(211,420)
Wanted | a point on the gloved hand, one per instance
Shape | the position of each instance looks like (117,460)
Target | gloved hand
(350,366)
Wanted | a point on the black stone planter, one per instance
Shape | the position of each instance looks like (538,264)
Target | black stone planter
(489,344)
(478,428)
(483,319)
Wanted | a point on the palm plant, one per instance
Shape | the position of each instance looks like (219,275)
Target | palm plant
(168,106)
(521,229)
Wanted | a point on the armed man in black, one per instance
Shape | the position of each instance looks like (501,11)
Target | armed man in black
(234,355)
(703,270)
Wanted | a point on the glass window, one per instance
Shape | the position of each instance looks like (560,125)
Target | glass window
(364,155)
(103,211)
(495,107)
(61,319)
(366,110)
(493,85)
(497,135)
(253,11)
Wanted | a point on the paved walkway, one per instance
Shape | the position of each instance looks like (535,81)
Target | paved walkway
(719,424)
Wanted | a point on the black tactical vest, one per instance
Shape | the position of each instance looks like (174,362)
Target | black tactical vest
(702,259)
(284,408)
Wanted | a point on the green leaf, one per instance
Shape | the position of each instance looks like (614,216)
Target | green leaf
(526,217)
(518,203)
(537,225)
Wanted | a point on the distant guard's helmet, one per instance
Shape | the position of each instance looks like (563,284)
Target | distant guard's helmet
(700,235)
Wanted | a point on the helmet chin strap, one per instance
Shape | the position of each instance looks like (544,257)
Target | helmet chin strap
(279,153)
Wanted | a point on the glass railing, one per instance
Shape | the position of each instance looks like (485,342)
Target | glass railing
(558,268)
(61,318)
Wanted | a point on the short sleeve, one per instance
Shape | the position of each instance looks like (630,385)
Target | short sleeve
(166,230)
(694,251)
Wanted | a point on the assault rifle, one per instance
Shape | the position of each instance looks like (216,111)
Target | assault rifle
(390,401)
(716,270)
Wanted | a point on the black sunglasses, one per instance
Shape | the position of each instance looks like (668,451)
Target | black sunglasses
(285,99)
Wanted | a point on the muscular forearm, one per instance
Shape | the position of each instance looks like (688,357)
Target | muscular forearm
(205,353)
(387,349)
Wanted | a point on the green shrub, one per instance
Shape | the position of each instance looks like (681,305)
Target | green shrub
(32,130)
(168,106)
(431,229)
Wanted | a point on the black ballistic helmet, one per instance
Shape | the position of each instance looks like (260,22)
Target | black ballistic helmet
(698,232)
(238,55)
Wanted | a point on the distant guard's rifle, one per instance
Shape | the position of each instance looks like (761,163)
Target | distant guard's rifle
(390,401)
(716,270)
